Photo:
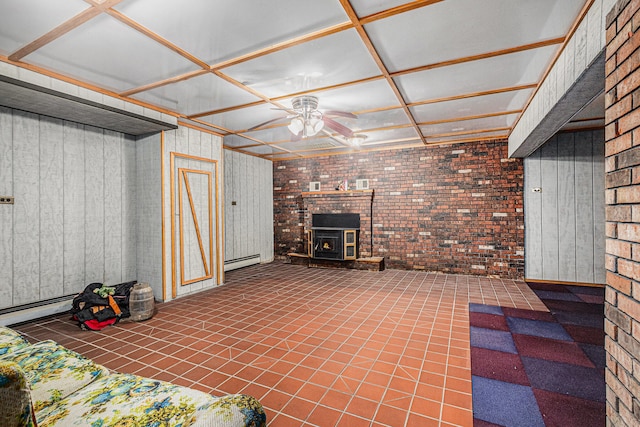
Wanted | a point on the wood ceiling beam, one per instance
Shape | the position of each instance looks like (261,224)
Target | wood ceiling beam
(467,132)
(474,117)
(157,38)
(378,60)
(397,10)
(79,19)
(474,94)
(154,85)
(492,54)
(284,45)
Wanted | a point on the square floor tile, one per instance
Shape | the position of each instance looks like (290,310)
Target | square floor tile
(498,365)
(492,340)
(554,409)
(489,321)
(538,328)
(505,403)
(483,308)
(550,349)
(563,378)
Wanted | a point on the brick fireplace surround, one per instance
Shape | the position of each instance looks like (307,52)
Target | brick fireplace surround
(450,208)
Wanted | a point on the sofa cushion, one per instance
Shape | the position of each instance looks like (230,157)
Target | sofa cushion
(54,372)
(15,397)
(10,341)
(130,400)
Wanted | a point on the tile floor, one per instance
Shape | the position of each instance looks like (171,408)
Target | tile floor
(318,347)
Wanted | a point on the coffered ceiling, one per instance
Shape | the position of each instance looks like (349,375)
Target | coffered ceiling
(414,73)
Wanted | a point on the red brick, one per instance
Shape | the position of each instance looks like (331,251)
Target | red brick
(629,306)
(629,232)
(618,40)
(618,282)
(628,269)
(630,121)
(629,194)
(626,14)
(629,47)
(618,109)
(629,84)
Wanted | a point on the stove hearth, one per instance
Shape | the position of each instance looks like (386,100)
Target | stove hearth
(334,236)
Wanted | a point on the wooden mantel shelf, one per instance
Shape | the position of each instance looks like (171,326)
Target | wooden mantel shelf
(338,193)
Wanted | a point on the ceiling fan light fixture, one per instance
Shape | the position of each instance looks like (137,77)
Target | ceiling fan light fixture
(356,139)
(296,126)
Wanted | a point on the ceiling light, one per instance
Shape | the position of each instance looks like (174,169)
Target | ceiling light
(356,139)
(309,121)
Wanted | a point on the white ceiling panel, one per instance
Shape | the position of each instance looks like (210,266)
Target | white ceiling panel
(486,74)
(469,137)
(440,32)
(309,144)
(19,25)
(486,104)
(357,97)
(467,126)
(263,150)
(275,133)
(108,53)
(379,119)
(331,60)
(369,7)
(198,94)
(407,133)
(245,118)
(222,29)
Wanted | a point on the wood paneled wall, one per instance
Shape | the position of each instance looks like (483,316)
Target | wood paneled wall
(74,217)
(248,201)
(564,222)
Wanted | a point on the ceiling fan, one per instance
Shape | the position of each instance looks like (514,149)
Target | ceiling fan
(306,120)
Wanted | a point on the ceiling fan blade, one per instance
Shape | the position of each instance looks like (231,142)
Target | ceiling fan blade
(340,114)
(338,127)
(268,122)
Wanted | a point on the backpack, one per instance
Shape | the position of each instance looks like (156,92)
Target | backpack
(95,312)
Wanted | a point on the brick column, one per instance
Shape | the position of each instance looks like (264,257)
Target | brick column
(622,134)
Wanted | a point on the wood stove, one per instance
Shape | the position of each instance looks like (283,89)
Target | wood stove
(334,236)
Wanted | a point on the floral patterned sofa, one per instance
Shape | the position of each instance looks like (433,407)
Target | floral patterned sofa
(45,384)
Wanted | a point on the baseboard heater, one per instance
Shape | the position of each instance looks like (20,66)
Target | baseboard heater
(246,261)
(35,310)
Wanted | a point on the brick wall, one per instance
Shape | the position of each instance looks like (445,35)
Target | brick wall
(622,134)
(455,208)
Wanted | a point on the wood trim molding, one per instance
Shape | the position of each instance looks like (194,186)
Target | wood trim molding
(182,177)
(218,234)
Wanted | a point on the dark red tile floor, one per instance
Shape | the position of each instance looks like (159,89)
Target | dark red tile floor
(318,347)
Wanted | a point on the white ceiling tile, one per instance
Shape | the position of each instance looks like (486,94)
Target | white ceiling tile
(467,126)
(440,32)
(491,73)
(197,95)
(23,21)
(331,60)
(369,7)
(110,54)
(497,102)
(222,29)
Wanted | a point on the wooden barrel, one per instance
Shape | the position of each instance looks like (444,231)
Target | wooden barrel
(141,302)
